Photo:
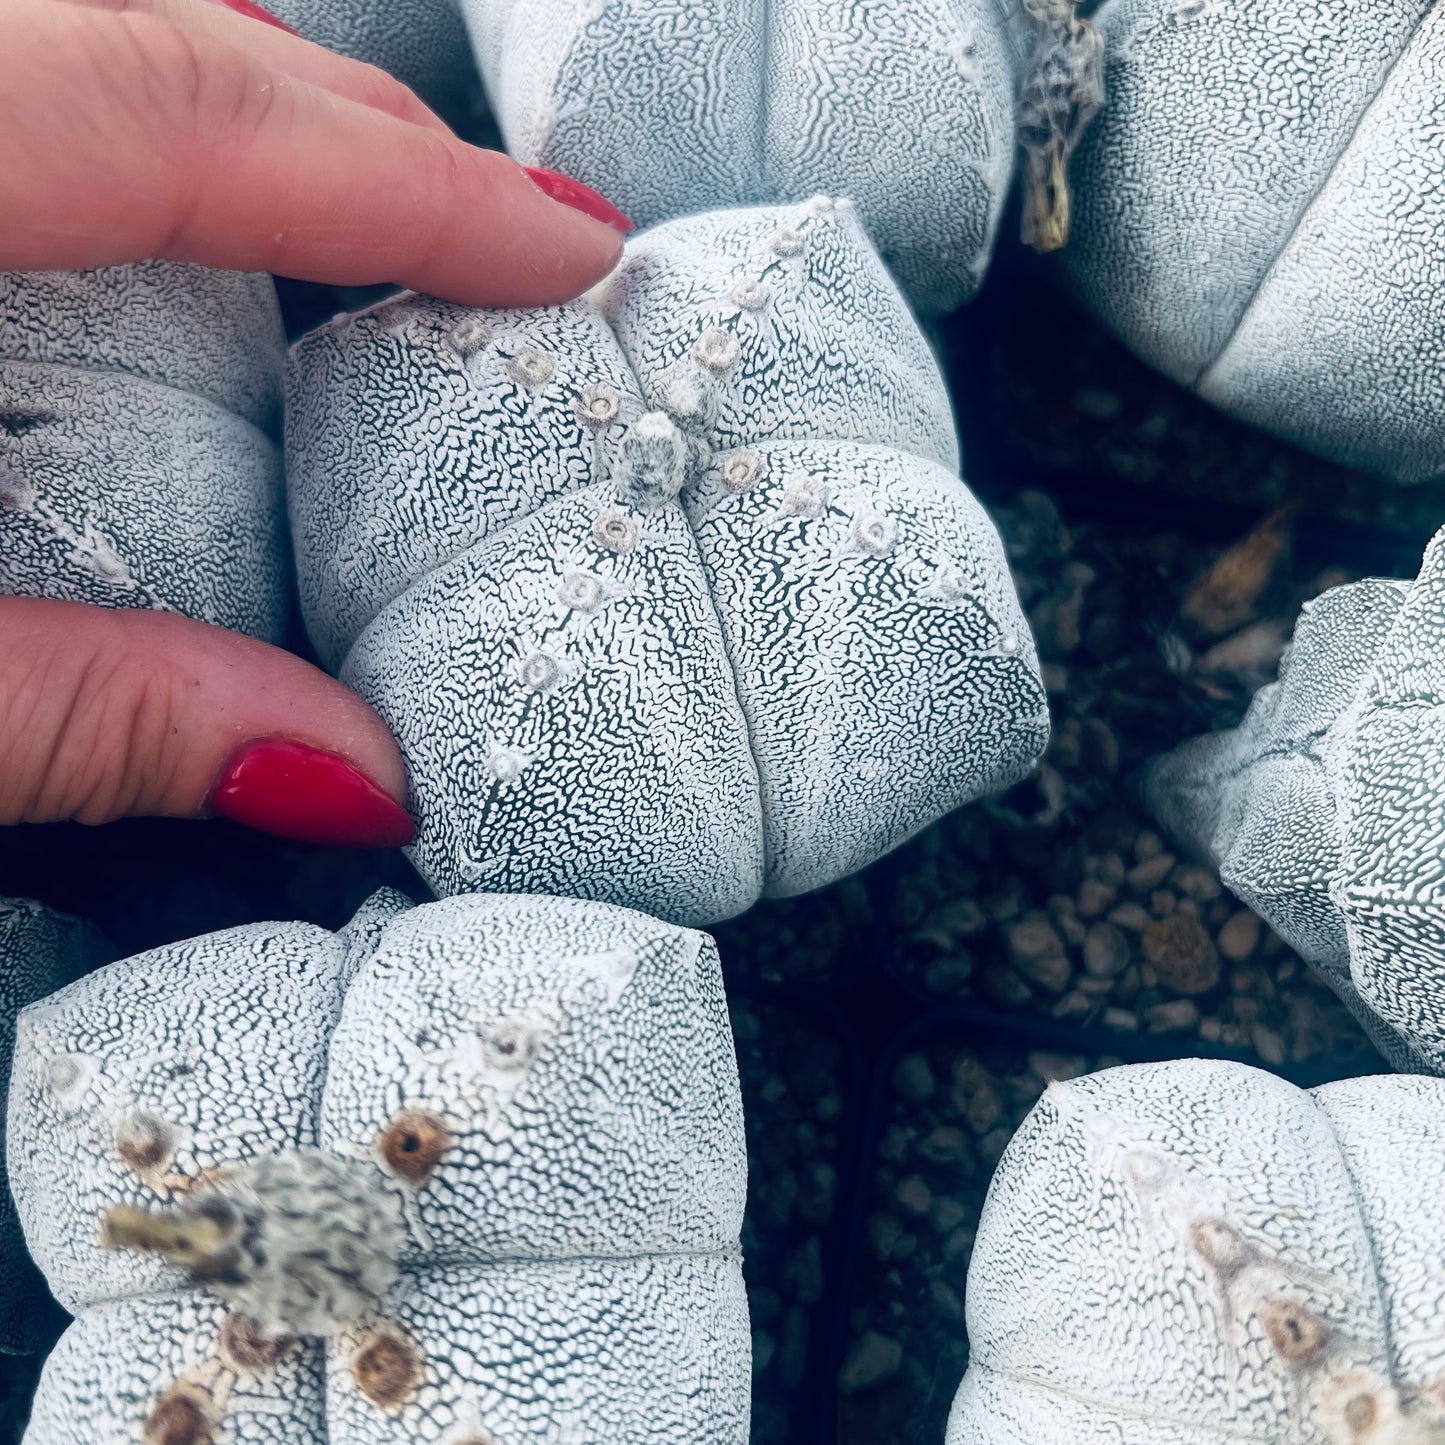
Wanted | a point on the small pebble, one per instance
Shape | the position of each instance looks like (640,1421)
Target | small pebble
(1183,953)
(873,1360)
(1120,1018)
(1268,1044)
(1106,951)
(1146,876)
(912,1078)
(913,1194)
(1239,937)
(1173,1017)
(1132,916)
(1094,897)
(946,1145)
(1196,883)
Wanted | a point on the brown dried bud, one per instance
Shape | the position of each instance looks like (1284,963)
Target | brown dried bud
(387,1369)
(412,1145)
(1297,1335)
(182,1416)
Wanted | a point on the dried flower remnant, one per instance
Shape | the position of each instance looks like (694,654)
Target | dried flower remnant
(1297,1335)
(303,1242)
(1062,91)
(652,461)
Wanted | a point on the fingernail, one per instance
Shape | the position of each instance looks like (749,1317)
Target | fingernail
(296,791)
(252,11)
(579,197)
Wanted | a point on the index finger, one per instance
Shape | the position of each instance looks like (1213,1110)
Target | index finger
(134,137)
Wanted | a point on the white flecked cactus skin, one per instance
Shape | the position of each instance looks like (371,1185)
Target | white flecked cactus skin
(1325,809)
(672,596)
(670,108)
(40,951)
(1199,1253)
(1259,211)
(571,1271)
(140,411)
(421,42)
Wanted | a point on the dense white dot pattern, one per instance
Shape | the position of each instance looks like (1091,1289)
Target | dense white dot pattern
(571,1270)
(675,106)
(1198,1253)
(689,607)
(1260,212)
(140,410)
(1325,809)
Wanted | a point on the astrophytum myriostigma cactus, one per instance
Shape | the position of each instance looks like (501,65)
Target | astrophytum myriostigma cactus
(1259,211)
(907,107)
(40,951)
(672,596)
(140,411)
(1325,809)
(1198,1253)
(468,1173)
(421,42)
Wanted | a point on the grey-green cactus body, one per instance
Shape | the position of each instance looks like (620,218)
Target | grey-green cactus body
(1196,1253)
(1258,212)
(140,410)
(1325,809)
(544,1097)
(670,109)
(672,596)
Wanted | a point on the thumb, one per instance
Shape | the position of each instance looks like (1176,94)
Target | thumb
(108,714)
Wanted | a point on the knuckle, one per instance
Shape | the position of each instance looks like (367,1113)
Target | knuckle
(81,729)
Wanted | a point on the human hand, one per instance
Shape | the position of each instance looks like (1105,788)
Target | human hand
(180,130)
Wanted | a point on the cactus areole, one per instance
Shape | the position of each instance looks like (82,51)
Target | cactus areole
(672,596)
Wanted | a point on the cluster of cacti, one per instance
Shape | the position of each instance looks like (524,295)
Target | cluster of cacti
(672,596)
(1325,808)
(1195,1252)
(469,1172)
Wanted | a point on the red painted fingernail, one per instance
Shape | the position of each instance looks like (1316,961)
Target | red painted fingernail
(579,197)
(252,11)
(296,791)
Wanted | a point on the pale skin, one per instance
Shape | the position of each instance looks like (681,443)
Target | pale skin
(179,130)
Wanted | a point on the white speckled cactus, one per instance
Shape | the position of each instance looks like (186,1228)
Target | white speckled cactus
(1260,212)
(140,407)
(40,951)
(905,105)
(1198,1253)
(528,1114)
(671,596)
(421,42)
(1325,809)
